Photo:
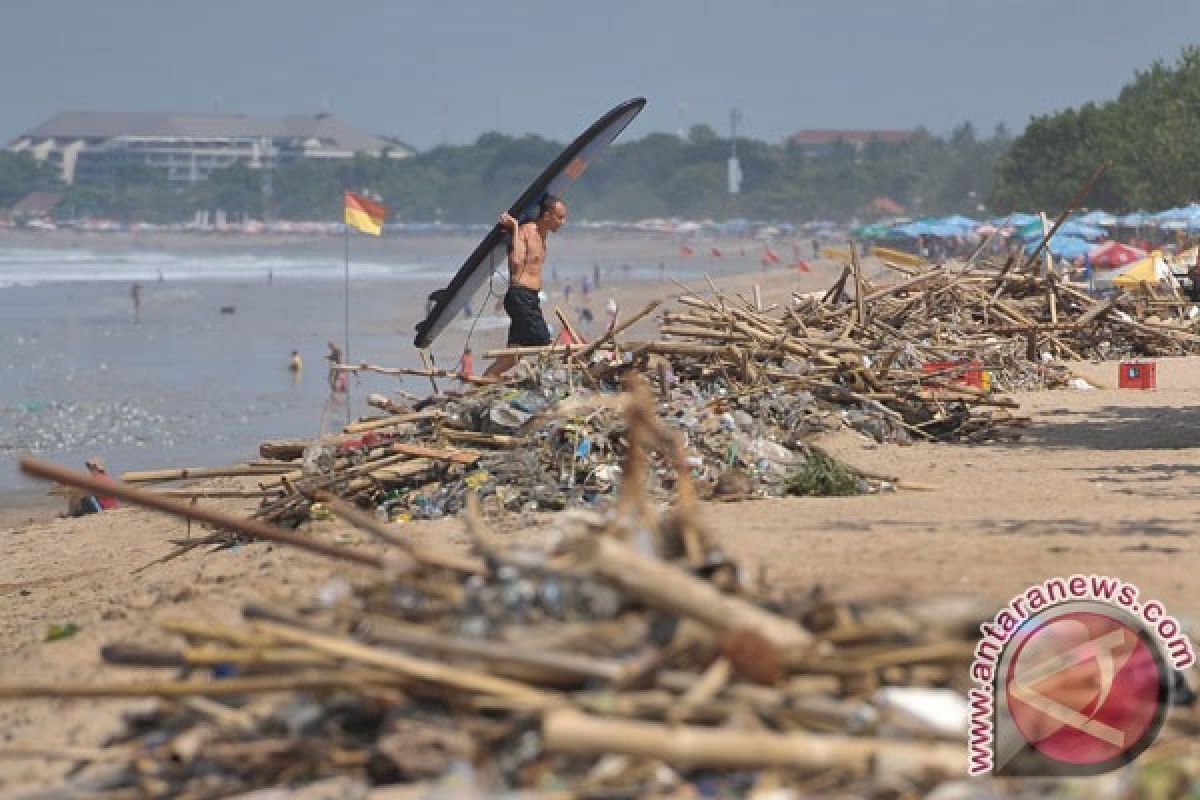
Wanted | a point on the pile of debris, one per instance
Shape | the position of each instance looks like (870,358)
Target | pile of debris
(621,656)
(924,358)
(624,656)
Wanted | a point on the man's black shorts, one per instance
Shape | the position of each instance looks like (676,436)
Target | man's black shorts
(528,328)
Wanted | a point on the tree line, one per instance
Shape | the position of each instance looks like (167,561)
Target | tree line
(659,175)
(1151,132)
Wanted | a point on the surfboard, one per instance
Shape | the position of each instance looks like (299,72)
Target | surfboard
(447,303)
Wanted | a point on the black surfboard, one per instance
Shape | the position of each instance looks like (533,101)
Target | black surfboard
(492,252)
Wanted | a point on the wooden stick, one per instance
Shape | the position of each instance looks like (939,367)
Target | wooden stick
(456,456)
(41,468)
(217,493)
(222,686)
(186,473)
(209,656)
(860,312)
(428,362)
(411,667)
(389,631)
(549,349)
(565,321)
(574,733)
(702,691)
(66,752)
(619,329)
(667,587)
(395,419)
(444,559)
(501,440)
(427,372)
(1072,204)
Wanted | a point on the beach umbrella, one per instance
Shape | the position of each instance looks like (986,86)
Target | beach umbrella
(1062,246)
(1017,219)
(1114,254)
(874,231)
(1148,270)
(1102,218)
(959,221)
(1134,219)
(1069,228)
(1074,227)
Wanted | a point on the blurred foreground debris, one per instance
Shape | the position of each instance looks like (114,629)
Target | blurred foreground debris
(620,656)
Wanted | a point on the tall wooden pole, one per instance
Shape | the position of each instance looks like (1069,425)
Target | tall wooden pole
(346,331)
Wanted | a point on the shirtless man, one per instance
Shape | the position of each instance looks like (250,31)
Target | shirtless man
(526,257)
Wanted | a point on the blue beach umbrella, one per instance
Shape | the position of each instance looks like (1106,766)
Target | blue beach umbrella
(1062,246)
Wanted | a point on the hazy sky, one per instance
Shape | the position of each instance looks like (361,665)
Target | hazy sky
(433,71)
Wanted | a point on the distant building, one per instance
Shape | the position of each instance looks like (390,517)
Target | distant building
(821,141)
(89,145)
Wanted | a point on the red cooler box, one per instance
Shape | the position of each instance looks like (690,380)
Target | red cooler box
(1137,375)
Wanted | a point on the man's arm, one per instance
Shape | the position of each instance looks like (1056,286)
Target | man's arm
(517,253)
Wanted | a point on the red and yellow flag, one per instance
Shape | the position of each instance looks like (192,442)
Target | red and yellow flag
(365,214)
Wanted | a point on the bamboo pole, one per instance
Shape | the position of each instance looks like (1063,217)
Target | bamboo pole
(393,420)
(353,678)
(426,372)
(187,473)
(444,559)
(41,468)
(411,667)
(667,587)
(389,631)
(574,733)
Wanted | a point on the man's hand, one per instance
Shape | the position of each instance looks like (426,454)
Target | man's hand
(509,221)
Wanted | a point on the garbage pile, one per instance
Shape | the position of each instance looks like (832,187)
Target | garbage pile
(539,444)
(622,656)
(1043,315)
(924,358)
(746,390)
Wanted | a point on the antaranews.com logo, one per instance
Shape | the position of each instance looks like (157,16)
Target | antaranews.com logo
(1074,677)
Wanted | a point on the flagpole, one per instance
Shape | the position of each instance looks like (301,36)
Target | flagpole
(346,331)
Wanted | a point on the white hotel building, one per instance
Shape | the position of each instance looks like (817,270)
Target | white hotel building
(89,145)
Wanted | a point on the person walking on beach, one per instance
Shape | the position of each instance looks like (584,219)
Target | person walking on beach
(136,294)
(526,258)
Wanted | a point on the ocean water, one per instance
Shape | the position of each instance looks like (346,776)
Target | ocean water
(180,383)
(36,266)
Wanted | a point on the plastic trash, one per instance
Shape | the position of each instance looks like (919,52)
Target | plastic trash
(61,630)
(921,710)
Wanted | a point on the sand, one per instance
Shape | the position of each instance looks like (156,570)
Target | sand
(1104,481)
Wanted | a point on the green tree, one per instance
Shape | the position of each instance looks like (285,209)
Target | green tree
(20,174)
(237,190)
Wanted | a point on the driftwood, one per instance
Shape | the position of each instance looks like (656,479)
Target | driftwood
(573,733)
(673,590)
(253,528)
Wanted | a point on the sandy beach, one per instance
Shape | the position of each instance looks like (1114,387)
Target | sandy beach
(1103,481)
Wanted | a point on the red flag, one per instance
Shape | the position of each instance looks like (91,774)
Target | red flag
(802,265)
(565,337)
(684,250)
(770,256)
